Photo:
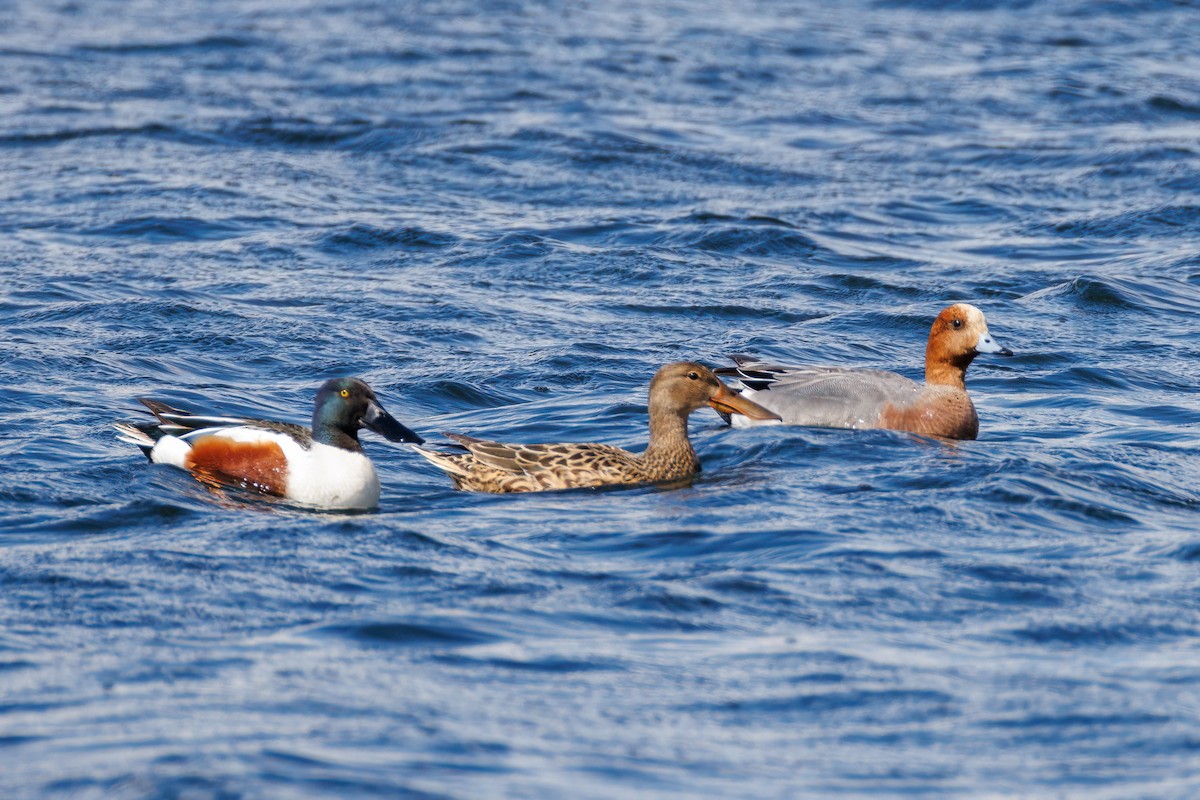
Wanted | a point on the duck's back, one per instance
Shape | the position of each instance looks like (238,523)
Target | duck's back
(826,397)
(498,467)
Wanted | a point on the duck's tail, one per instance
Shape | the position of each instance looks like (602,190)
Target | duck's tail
(454,464)
(142,434)
(168,422)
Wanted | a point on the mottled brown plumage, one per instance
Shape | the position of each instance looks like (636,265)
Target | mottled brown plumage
(675,392)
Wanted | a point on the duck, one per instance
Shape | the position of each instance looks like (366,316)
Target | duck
(323,467)
(838,397)
(675,392)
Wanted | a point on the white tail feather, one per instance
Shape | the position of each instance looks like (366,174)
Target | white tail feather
(131,435)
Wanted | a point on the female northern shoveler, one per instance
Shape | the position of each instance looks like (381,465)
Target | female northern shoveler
(324,467)
(675,392)
(836,397)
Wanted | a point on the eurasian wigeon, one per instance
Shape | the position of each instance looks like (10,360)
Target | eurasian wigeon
(324,467)
(675,392)
(835,397)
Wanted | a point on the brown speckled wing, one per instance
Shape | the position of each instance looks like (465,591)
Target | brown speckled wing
(496,466)
(568,466)
(597,457)
(533,458)
(492,454)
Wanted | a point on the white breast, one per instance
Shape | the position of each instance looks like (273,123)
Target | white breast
(330,477)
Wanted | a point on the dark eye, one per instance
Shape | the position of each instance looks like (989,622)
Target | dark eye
(957,323)
(693,376)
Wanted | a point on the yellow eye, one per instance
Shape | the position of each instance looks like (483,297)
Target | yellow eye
(344,392)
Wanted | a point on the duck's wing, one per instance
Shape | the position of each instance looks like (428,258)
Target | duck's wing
(830,397)
(489,466)
(186,425)
(537,458)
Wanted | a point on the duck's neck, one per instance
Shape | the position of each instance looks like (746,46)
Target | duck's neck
(669,454)
(335,436)
(943,371)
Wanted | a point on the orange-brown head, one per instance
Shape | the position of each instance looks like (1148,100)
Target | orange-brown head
(959,334)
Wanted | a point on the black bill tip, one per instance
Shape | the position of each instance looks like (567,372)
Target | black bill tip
(387,426)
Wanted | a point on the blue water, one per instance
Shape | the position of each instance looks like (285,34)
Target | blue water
(505,216)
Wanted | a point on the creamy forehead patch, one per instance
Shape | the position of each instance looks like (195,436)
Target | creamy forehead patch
(974,315)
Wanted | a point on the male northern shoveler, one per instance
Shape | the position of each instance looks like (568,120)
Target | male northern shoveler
(323,467)
(675,392)
(836,397)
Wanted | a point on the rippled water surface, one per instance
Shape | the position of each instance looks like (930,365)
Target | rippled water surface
(505,216)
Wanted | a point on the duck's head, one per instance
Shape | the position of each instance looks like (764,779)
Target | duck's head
(345,405)
(685,386)
(959,334)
